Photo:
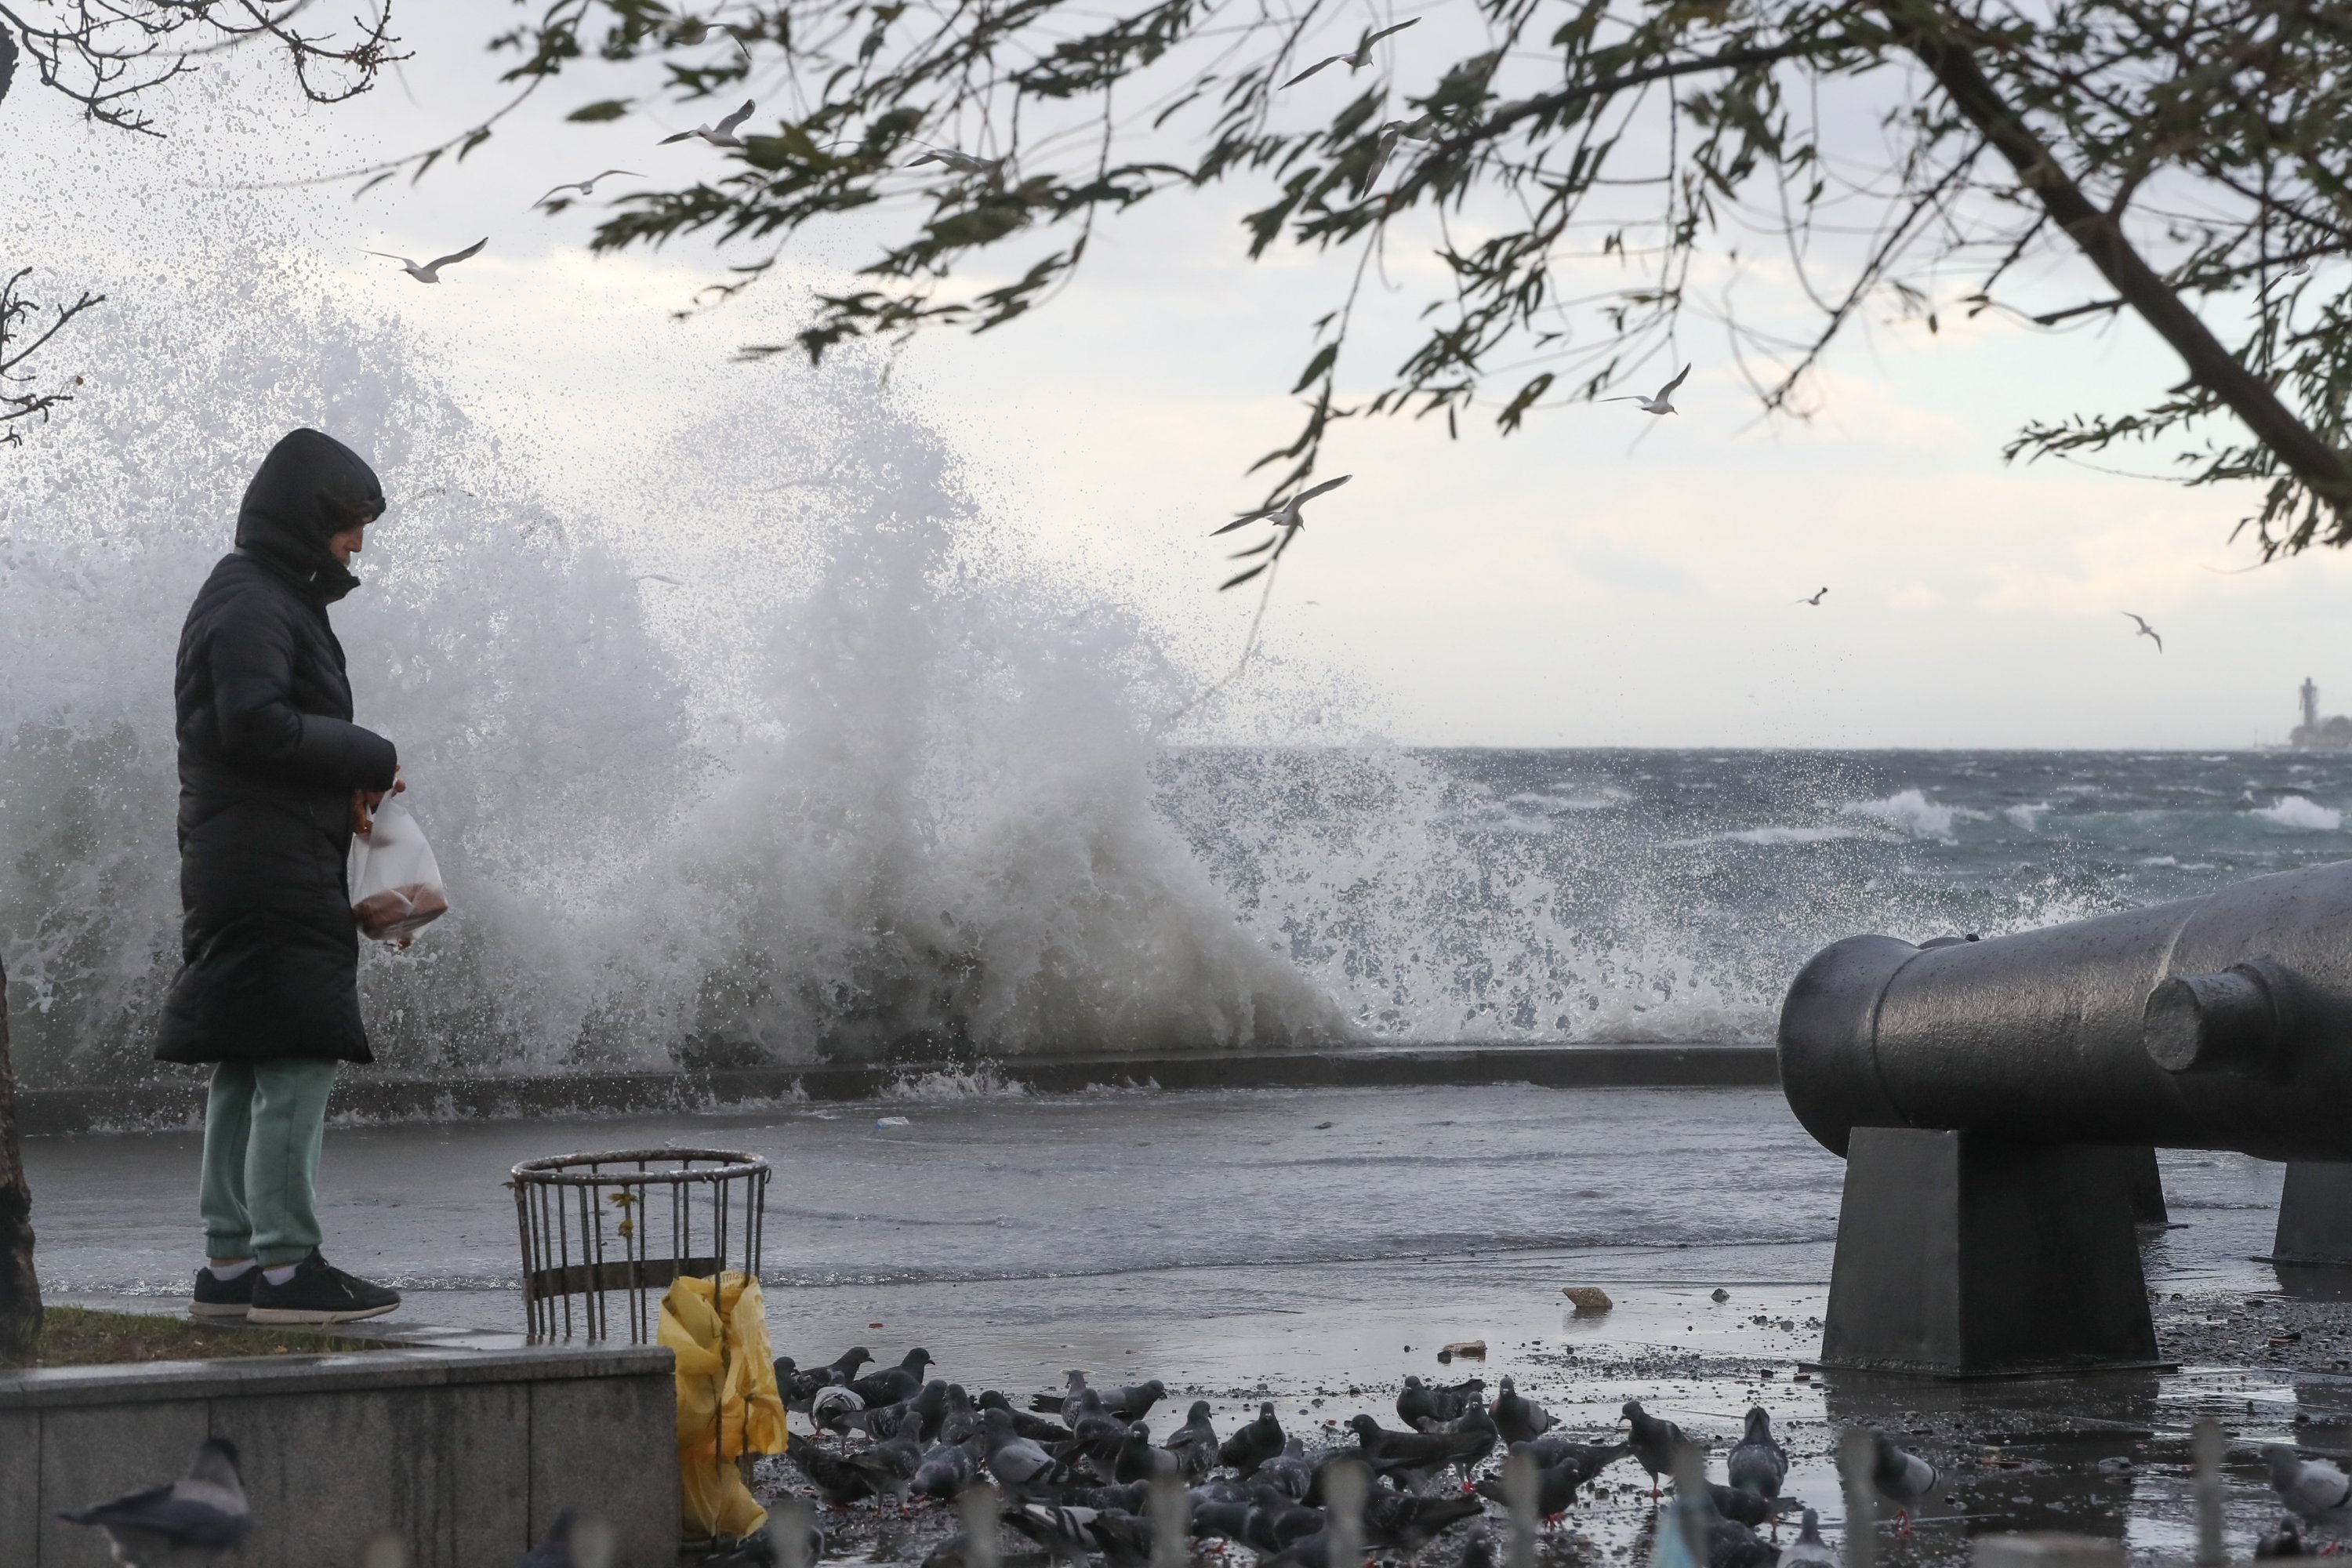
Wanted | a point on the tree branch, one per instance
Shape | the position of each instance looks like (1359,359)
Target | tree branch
(2320,467)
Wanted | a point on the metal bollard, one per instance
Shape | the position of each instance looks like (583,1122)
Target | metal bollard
(1519,1493)
(1857,1457)
(1690,1486)
(1171,1520)
(978,1507)
(1343,1500)
(2207,1445)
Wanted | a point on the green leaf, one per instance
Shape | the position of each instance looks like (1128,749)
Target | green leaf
(604,108)
(1236,581)
(1325,357)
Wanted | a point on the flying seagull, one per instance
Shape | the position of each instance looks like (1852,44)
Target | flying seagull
(587,187)
(193,1521)
(1663,402)
(721,135)
(1394,131)
(961,163)
(1285,514)
(1815,601)
(2146,631)
(1356,58)
(2299,269)
(431,271)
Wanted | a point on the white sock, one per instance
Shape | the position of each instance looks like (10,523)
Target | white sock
(234,1271)
(280,1275)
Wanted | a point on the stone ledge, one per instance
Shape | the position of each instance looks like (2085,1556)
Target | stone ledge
(235,1377)
(49,1111)
(466,1456)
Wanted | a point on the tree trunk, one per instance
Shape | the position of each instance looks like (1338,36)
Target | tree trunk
(20,1289)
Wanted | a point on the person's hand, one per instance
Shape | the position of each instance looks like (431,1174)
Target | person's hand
(366,801)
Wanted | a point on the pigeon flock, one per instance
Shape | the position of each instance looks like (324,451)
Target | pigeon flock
(1081,1475)
(1076,1469)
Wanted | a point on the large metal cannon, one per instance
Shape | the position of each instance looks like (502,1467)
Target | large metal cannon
(1995,1100)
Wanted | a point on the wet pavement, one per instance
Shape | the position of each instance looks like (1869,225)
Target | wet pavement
(1313,1246)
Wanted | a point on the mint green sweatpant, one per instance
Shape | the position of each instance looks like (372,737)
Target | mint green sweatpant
(263,1126)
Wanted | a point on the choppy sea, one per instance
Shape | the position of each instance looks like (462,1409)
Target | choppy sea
(1637,895)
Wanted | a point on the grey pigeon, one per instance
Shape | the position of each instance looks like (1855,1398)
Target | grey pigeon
(1273,1527)
(2287,1540)
(1136,1459)
(958,1421)
(945,1471)
(2313,1489)
(1517,1417)
(191,1522)
(1555,1490)
(1288,1471)
(1903,1479)
(1738,1504)
(1416,1403)
(1012,1459)
(893,1384)
(1448,1401)
(1224,1520)
(760,1550)
(889,1467)
(1729,1543)
(832,1407)
(838,1481)
(1036,1429)
(1195,1444)
(1420,1453)
(798,1387)
(1808,1550)
(1407,1521)
(1059,1404)
(1067,1533)
(1588,1459)
(1758,1463)
(1253,1443)
(1107,1499)
(1655,1442)
(1125,1537)
(1134,1401)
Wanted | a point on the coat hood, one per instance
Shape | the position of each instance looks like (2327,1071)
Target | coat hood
(309,488)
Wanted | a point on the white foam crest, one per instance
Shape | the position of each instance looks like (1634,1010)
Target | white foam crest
(2027,817)
(950,1088)
(2299,814)
(1910,811)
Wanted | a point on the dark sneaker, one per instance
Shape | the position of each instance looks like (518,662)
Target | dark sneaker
(319,1293)
(215,1297)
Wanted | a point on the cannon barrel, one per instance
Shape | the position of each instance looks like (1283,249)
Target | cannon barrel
(2224,1022)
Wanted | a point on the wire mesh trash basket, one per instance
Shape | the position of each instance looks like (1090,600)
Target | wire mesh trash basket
(631,1223)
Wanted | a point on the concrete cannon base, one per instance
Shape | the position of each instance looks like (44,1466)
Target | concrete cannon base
(466,1455)
(1960,1254)
(2315,1217)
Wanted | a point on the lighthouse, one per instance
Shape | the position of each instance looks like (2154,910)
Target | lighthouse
(2334,735)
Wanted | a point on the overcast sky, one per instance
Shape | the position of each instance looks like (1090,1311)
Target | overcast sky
(1567,585)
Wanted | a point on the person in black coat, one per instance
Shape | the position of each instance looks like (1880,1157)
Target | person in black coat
(274,779)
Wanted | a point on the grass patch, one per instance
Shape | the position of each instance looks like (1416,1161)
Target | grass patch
(78,1336)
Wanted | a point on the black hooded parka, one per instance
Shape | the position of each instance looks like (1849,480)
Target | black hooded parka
(268,758)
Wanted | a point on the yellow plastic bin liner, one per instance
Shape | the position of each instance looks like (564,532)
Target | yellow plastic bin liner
(727,1405)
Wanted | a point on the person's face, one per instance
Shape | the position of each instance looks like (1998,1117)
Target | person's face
(348,543)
